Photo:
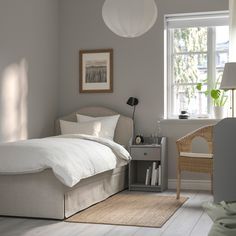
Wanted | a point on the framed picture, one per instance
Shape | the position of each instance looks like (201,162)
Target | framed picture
(96,71)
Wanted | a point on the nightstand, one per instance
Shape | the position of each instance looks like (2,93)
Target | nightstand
(143,157)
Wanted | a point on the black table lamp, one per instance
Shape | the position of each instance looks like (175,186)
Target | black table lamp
(133,102)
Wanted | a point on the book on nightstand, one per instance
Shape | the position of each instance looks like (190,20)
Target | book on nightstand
(148,176)
(154,172)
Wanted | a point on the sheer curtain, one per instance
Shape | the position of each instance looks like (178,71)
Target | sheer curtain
(232,30)
(232,36)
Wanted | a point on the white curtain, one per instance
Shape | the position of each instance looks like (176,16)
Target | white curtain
(232,30)
(232,36)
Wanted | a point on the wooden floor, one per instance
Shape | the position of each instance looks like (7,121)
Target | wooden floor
(190,219)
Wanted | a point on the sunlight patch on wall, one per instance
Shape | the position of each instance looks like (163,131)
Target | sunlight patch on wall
(13,102)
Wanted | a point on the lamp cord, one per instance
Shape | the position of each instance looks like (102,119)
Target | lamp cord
(133,113)
(133,122)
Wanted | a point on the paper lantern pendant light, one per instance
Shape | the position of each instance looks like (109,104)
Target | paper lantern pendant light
(129,18)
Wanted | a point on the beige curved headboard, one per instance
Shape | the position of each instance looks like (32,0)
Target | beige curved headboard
(124,128)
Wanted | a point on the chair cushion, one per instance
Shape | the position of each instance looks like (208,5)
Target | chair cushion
(197,155)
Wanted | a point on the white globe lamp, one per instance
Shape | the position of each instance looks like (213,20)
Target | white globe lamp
(129,18)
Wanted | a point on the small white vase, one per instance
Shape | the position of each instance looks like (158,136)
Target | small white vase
(219,112)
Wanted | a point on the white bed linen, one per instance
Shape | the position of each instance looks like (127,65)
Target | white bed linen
(71,157)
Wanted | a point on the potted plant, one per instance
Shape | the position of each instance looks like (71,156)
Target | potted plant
(219,99)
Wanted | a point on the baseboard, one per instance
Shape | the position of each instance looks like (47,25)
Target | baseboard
(190,184)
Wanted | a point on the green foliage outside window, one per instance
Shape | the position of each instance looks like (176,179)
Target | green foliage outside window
(190,47)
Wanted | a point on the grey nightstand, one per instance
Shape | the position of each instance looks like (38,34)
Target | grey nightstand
(143,157)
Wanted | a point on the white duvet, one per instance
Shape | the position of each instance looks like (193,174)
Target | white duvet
(71,157)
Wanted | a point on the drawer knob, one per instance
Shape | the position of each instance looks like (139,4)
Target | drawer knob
(145,154)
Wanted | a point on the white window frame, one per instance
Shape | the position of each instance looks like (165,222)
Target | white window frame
(208,19)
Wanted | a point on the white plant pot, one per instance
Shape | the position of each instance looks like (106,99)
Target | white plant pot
(219,112)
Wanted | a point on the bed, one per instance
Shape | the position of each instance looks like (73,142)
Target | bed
(42,195)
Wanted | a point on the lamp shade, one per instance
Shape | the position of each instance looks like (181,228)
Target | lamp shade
(129,18)
(229,76)
(132,101)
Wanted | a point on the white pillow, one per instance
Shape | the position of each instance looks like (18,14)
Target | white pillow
(108,124)
(104,127)
(68,127)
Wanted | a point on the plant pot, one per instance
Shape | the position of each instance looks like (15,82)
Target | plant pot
(219,112)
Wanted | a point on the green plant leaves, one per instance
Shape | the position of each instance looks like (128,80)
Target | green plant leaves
(215,93)
(199,86)
(218,96)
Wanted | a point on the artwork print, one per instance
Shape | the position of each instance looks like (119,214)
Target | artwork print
(96,71)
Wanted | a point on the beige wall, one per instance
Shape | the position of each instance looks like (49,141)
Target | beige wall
(30,92)
(28,68)
(138,65)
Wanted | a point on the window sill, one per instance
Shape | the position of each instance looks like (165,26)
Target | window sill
(190,121)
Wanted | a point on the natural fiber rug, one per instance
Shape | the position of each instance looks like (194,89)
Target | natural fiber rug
(131,208)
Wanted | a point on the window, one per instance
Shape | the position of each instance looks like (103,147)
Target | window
(197,49)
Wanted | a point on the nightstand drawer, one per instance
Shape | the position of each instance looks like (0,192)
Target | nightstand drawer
(141,153)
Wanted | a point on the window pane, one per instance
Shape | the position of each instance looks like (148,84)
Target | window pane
(190,39)
(221,59)
(197,55)
(222,38)
(222,46)
(190,68)
(188,98)
(219,73)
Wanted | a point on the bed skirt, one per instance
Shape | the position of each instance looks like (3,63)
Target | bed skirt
(42,195)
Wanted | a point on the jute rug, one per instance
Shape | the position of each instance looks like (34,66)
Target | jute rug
(131,208)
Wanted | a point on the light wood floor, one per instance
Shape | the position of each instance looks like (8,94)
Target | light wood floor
(189,220)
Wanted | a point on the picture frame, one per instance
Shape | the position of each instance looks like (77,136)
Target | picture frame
(96,71)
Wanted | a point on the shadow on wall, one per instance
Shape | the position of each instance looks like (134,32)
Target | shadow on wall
(13,102)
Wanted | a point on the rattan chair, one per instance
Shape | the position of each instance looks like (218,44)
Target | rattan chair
(194,162)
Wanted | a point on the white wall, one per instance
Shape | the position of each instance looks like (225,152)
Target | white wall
(138,65)
(29,85)
(138,62)
(28,68)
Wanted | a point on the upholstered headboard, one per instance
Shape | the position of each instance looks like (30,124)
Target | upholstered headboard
(124,128)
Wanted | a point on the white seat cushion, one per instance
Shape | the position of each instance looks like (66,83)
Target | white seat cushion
(199,155)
